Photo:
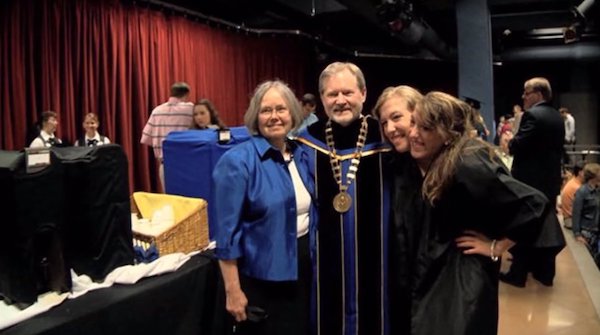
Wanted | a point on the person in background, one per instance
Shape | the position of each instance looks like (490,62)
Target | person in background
(501,121)
(586,209)
(569,125)
(506,125)
(175,114)
(47,137)
(265,212)
(91,138)
(537,150)
(567,195)
(452,254)
(480,129)
(504,152)
(206,116)
(309,106)
(570,139)
(516,118)
(346,159)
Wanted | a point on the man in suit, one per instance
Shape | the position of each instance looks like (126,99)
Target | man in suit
(537,149)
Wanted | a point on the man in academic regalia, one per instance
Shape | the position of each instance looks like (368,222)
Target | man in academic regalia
(351,239)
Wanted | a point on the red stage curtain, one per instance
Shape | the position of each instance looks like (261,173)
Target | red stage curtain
(119,61)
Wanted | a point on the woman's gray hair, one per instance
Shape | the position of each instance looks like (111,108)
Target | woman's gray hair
(251,116)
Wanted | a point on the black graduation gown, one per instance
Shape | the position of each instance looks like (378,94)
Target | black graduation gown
(407,207)
(449,292)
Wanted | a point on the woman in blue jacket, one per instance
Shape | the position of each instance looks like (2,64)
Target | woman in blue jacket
(264,210)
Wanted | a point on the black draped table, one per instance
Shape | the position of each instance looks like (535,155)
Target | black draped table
(188,301)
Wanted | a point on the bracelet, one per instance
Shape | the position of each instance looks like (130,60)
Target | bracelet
(492,247)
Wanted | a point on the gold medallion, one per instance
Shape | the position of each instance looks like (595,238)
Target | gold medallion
(342,202)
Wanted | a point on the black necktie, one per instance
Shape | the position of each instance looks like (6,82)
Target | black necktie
(92,142)
(51,141)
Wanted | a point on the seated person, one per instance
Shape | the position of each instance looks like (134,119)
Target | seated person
(46,138)
(567,194)
(586,209)
(91,138)
(206,116)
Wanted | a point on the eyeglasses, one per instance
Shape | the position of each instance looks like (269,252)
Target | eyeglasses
(268,111)
(526,93)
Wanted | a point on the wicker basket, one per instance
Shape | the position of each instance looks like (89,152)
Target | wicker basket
(187,235)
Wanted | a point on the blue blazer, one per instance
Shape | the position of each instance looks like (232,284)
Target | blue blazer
(256,209)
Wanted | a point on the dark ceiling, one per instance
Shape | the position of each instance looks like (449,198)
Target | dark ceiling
(411,29)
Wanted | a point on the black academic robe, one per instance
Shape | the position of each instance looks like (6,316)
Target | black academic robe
(351,248)
(449,292)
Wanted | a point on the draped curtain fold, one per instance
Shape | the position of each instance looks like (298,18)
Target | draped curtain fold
(119,60)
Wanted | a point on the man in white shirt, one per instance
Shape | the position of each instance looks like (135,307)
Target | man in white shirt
(569,125)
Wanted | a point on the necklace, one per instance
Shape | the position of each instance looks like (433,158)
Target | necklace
(342,201)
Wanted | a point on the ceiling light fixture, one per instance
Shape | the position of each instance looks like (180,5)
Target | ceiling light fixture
(571,33)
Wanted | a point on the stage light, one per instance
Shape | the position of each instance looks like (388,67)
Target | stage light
(571,34)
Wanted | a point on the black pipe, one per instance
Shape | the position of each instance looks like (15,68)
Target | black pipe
(417,33)
(586,52)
